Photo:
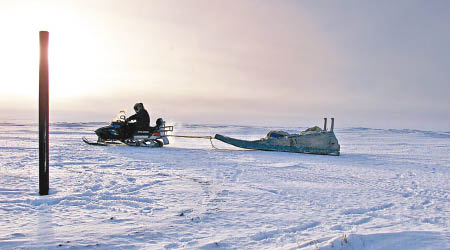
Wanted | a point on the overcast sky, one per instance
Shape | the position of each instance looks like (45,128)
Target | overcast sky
(382,64)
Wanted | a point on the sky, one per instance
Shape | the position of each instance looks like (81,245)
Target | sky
(379,64)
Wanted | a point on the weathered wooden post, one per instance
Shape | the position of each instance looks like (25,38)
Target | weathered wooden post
(43,114)
(325,124)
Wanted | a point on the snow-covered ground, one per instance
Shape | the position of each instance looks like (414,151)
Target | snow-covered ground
(389,189)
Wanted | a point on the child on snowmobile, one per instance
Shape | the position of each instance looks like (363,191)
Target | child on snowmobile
(141,117)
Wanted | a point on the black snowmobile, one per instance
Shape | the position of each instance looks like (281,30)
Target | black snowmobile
(118,132)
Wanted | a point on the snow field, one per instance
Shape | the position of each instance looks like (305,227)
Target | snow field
(388,190)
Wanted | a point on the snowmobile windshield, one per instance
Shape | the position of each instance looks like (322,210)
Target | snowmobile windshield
(120,117)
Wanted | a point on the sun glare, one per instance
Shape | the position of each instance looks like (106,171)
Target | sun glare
(76,57)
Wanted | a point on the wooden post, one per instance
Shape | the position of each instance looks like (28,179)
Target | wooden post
(325,124)
(43,114)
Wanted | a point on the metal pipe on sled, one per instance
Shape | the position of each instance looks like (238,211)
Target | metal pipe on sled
(311,141)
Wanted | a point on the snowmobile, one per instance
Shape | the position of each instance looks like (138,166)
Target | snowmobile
(118,132)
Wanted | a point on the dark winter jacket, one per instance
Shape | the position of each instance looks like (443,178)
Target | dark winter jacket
(142,119)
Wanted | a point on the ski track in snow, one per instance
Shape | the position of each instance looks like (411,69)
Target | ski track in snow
(388,190)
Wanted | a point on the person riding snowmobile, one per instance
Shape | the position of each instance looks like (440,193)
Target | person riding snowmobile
(141,117)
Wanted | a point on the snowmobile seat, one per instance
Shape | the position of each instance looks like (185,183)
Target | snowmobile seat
(150,130)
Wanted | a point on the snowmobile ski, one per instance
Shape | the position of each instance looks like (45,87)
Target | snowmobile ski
(94,143)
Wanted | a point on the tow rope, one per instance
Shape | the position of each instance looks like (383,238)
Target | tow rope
(210,138)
